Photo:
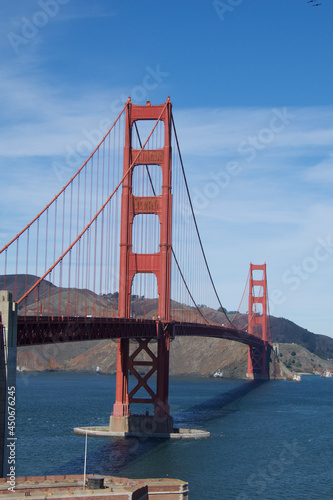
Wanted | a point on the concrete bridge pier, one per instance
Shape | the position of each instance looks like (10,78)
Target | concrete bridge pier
(8,342)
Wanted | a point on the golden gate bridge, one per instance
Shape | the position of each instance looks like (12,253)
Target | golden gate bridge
(117,254)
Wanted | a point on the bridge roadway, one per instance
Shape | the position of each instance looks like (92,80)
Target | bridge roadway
(34,330)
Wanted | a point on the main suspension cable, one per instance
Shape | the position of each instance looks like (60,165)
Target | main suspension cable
(172,250)
(195,222)
(95,216)
(65,187)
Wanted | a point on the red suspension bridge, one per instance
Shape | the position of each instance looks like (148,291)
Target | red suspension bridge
(117,254)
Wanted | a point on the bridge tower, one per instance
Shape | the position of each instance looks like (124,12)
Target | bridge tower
(258,357)
(132,263)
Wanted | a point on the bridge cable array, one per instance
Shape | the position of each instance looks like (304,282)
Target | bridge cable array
(172,250)
(195,223)
(93,219)
(85,242)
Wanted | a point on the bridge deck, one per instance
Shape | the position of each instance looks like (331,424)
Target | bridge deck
(33,330)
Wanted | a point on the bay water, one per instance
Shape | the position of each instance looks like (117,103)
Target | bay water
(269,441)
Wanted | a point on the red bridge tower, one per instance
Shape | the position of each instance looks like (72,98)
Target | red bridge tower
(132,263)
(258,357)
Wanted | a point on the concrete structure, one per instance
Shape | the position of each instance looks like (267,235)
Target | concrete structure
(142,433)
(96,487)
(2,397)
(8,341)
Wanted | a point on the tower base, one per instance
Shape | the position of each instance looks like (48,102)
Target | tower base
(100,431)
(141,424)
(257,376)
(258,362)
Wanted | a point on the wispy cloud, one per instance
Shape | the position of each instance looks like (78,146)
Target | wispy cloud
(221,131)
(37,120)
(322,172)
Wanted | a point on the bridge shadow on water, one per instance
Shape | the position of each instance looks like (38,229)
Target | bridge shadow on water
(216,407)
(117,453)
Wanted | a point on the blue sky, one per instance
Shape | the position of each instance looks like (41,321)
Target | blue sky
(251,87)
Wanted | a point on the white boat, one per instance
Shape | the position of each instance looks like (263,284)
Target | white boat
(326,374)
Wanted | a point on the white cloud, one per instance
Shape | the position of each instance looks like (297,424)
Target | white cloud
(322,172)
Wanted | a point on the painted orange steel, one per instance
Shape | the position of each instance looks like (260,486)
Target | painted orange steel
(158,263)
(258,355)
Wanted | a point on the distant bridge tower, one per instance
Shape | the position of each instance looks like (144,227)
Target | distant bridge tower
(132,263)
(258,357)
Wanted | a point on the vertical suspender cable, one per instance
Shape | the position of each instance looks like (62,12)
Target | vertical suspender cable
(194,218)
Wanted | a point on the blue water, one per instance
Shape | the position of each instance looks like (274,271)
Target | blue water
(268,441)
